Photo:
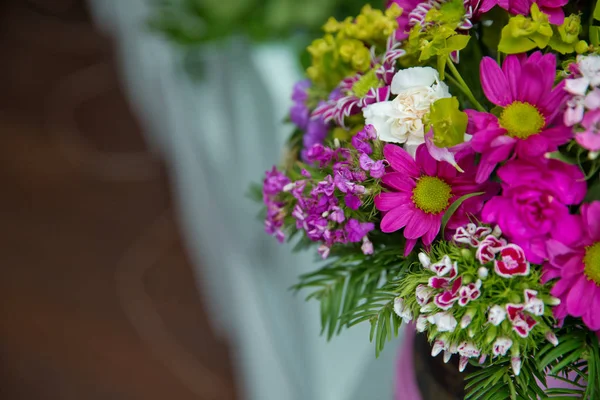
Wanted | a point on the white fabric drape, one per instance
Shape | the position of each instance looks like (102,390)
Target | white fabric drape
(217,136)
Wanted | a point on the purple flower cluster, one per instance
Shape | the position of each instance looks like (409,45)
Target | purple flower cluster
(274,183)
(360,141)
(315,129)
(319,212)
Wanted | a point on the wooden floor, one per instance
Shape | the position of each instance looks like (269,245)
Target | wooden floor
(97,296)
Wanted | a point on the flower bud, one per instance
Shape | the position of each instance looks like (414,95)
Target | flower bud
(551,337)
(482,273)
(516,365)
(582,47)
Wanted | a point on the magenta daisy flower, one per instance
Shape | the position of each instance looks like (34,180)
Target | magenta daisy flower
(422,189)
(577,267)
(528,123)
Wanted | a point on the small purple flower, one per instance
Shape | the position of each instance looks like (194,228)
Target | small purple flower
(274,182)
(299,93)
(353,202)
(356,230)
(337,215)
(319,153)
(300,114)
(363,147)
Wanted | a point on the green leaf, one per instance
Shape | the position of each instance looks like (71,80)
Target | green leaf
(454,206)
(596,14)
(595,35)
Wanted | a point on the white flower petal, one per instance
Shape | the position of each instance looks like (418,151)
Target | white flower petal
(414,77)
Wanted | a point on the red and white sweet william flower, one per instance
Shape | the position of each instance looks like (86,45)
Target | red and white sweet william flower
(488,248)
(438,346)
(444,321)
(401,310)
(471,234)
(425,260)
(421,324)
(469,293)
(469,350)
(522,322)
(551,337)
(445,267)
(496,315)
(466,350)
(501,346)
(423,294)
(512,262)
(533,304)
(448,297)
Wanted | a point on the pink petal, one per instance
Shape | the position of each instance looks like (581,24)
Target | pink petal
(551,104)
(578,300)
(434,229)
(533,147)
(487,5)
(481,139)
(409,246)
(590,214)
(400,160)
(399,181)
(480,120)
(512,69)
(386,201)
(562,287)
(417,225)
(534,89)
(494,82)
(396,218)
(556,15)
(592,316)
(425,161)
(557,135)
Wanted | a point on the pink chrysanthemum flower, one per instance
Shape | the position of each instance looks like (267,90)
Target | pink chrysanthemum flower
(528,123)
(552,8)
(422,189)
(534,205)
(577,267)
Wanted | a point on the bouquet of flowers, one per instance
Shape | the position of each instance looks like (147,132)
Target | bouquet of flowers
(445,166)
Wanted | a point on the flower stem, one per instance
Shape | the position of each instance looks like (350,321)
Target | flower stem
(464,87)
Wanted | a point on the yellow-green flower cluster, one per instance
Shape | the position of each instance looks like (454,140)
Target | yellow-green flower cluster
(345,48)
(438,36)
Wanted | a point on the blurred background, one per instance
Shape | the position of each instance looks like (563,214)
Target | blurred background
(133,264)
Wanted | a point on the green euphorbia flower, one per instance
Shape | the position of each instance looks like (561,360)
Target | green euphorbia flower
(566,36)
(448,122)
(522,34)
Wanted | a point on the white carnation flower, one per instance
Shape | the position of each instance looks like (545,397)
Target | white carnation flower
(401,119)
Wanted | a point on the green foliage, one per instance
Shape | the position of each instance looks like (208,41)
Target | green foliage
(522,33)
(448,122)
(454,206)
(577,354)
(354,288)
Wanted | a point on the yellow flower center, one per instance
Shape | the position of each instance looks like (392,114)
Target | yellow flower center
(431,194)
(522,120)
(592,263)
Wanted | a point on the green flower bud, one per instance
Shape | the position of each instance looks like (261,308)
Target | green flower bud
(582,47)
